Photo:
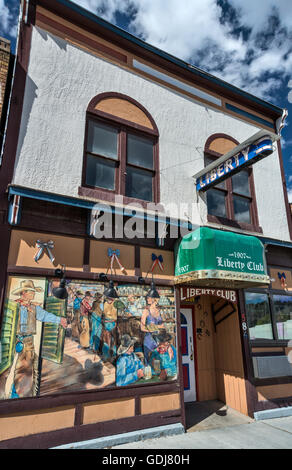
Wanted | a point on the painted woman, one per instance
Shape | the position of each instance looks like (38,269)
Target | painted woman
(151,325)
(109,333)
(96,323)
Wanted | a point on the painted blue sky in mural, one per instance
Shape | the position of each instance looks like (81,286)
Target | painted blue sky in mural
(245,42)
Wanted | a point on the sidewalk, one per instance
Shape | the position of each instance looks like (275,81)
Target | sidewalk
(267,434)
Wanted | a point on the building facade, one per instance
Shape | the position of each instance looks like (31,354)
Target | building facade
(104,137)
(4,67)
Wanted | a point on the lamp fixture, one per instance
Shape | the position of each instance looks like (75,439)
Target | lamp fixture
(110,291)
(61,291)
(102,277)
(153,292)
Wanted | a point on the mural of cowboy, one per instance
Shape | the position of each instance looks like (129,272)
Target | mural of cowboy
(22,375)
(163,358)
(129,367)
(109,333)
(85,312)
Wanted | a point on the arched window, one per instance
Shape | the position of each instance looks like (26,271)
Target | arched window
(231,202)
(120,150)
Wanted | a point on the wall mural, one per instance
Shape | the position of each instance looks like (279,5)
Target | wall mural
(86,342)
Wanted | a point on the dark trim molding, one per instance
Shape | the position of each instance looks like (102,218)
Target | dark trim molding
(92,431)
(16,105)
(274,403)
(288,210)
(251,393)
(269,343)
(23,270)
(268,354)
(273,381)
(5,233)
(46,402)
(96,45)
(5,107)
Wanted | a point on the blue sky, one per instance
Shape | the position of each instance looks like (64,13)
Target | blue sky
(245,42)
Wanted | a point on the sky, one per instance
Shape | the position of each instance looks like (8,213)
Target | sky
(247,43)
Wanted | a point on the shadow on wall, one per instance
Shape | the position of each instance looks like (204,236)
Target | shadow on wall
(60,42)
(30,96)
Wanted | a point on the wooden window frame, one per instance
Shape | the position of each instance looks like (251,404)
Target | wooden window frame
(124,128)
(275,342)
(230,220)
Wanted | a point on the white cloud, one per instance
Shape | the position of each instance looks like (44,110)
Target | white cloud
(196,31)
(8,19)
(105,8)
(4,16)
(254,13)
(185,29)
(193,30)
(290,92)
(289,185)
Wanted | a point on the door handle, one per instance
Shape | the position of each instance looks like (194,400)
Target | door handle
(192,355)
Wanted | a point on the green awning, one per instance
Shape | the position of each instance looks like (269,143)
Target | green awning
(217,258)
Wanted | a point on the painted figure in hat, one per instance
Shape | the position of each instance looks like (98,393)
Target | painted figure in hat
(85,311)
(151,324)
(129,367)
(163,358)
(110,315)
(76,328)
(96,323)
(22,375)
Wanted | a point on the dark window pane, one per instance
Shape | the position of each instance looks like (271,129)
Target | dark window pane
(240,183)
(283,315)
(100,172)
(241,209)
(140,151)
(216,203)
(139,184)
(258,316)
(102,139)
(221,185)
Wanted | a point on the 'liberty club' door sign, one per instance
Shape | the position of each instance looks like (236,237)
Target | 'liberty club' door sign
(188,358)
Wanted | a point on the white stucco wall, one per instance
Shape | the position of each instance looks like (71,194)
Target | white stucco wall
(62,79)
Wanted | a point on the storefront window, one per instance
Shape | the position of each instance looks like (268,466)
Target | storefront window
(86,342)
(258,316)
(283,315)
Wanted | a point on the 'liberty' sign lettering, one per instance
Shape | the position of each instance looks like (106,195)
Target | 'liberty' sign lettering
(256,151)
(188,294)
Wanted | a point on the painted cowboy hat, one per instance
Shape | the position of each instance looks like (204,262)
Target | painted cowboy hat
(126,342)
(164,337)
(88,294)
(27,285)
(97,295)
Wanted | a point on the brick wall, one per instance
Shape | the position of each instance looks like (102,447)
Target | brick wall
(4,64)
